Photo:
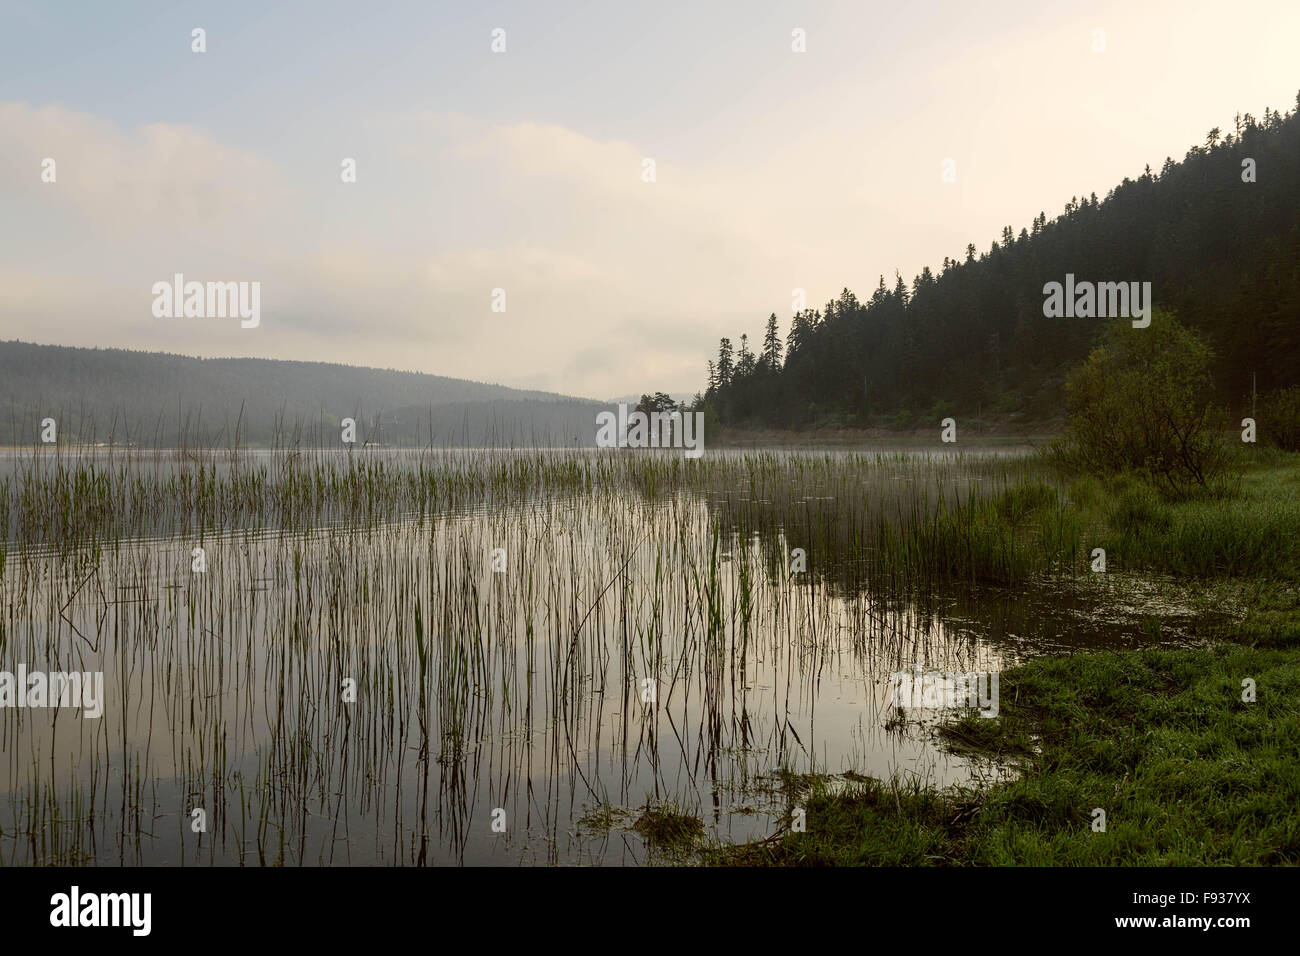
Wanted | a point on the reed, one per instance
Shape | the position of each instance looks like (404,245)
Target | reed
(523,690)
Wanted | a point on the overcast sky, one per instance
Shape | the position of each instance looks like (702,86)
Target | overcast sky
(522,170)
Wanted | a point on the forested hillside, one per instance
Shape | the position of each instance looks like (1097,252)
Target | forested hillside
(970,338)
(152,398)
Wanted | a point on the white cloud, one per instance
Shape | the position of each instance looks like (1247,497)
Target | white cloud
(592,258)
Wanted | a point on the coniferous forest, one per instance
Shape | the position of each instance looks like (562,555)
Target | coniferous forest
(970,337)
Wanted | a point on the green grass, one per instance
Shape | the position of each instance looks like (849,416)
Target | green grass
(667,826)
(1161,740)
(1187,773)
(1252,533)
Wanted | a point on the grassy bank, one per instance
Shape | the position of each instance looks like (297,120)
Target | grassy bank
(1187,772)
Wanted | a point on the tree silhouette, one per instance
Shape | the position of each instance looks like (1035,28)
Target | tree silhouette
(772,345)
(1223,253)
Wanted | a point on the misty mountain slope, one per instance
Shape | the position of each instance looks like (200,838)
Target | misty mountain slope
(159,398)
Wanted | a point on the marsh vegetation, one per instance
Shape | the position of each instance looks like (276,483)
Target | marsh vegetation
(552,634)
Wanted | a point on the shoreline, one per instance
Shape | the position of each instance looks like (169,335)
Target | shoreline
(1140,735)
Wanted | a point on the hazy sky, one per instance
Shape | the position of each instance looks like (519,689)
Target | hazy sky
(522,170)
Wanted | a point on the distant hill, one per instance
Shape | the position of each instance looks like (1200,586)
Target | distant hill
(160,399)
(1217,236)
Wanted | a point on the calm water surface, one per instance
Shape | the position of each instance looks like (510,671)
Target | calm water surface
(620,650)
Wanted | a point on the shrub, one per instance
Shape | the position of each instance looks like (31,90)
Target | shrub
(1141,402)
(1279,419)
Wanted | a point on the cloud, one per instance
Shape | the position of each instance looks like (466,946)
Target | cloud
(158,179)
(400,272)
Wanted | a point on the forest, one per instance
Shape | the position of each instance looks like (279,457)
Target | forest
(1216,235)
(155,399)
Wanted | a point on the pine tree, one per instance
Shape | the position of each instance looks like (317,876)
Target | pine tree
(745,361)
(772,345)
(724,363)
(798,332)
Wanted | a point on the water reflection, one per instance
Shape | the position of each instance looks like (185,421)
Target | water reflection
(346,694)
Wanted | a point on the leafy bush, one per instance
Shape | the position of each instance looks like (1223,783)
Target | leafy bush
(1141,402)
(1279,420)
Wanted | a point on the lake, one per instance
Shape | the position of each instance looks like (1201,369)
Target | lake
(475,657)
